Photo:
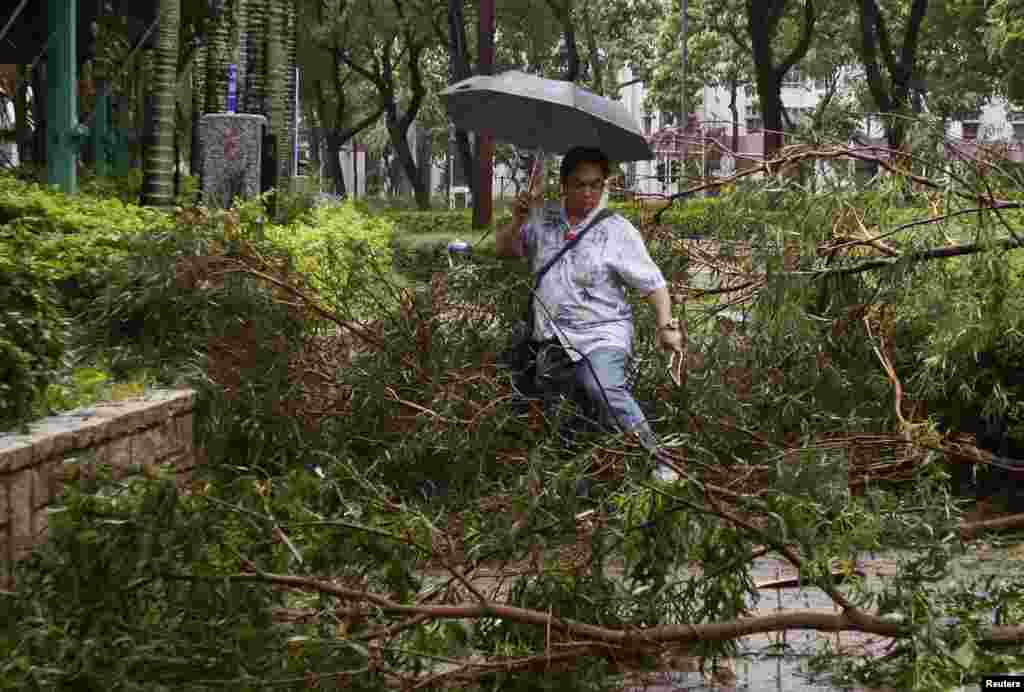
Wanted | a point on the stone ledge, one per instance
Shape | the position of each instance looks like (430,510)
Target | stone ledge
(126,435)
(90,427)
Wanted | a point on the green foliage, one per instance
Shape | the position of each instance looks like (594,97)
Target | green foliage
(458,222)
(327,243)
(50,211)
(134,537)
(376,446)
(971,322)
(1005,38)
(704,216)
(33,331)
(75,239)
(83,386)
(58,254)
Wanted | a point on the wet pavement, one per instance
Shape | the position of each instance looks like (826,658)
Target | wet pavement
(775,661)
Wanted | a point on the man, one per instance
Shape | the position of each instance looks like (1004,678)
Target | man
(580,305)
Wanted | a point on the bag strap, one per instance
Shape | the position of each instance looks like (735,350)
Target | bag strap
(599,217)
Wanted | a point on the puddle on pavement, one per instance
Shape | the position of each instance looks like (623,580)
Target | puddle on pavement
(760,667)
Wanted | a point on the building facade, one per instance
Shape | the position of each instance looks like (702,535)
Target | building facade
(995,123)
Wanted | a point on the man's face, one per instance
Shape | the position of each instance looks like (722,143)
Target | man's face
(583,188)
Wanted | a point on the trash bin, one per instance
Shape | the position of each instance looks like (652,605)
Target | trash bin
(459,251)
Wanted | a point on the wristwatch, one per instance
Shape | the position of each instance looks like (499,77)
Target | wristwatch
(671,325)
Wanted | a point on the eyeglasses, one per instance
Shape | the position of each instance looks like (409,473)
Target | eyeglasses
(583,185)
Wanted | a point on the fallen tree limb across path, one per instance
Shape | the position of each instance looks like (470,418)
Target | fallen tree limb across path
(652,637)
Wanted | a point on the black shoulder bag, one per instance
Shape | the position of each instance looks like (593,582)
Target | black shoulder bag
(521,354)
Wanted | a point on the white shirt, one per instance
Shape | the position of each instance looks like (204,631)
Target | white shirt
(581,299)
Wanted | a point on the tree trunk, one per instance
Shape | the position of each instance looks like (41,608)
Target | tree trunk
(217,56)
(158,172)
(424,160)
(762,24)
(315,142)
(594,56)
(459,68)
(563,12)
(198,98)
(240,51)
(179,117)
(893,97)
(483,196)
(144,105)
(286,159)
(397,181)
(255,55)
(276,80)
(407,162)
(734,113)
(333,153)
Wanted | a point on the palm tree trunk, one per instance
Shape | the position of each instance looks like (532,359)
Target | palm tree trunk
(198,99)
(239,51)
(275,93)
(277,82)
(218,57)
(158,171)
(255,56)
(143,109)
(286,135)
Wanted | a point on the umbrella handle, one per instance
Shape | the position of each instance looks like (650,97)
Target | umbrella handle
(536,175)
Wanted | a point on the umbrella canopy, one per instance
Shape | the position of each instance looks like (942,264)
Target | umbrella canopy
(537,113)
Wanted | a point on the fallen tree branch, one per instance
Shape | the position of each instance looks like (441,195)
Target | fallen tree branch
(972,529)
(921,256)
(633,638)
(798,155)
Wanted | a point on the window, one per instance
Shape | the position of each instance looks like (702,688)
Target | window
(753,111)
(648,119)
(1015,116)
(750,91)
(1018,131)
(970,130)
(668,118)
(754,124)
(669,173)
(972,116)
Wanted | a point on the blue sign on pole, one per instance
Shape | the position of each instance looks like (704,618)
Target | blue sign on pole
(232,87)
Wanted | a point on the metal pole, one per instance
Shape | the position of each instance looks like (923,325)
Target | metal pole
(483,200)
(62,96)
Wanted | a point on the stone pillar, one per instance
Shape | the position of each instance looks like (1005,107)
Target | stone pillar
(231,149)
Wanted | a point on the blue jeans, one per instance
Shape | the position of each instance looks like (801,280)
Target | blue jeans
(597,384)
(605,391)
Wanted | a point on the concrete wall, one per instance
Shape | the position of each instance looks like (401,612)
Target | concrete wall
(128,434)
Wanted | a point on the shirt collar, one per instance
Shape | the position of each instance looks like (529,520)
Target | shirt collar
(585,220)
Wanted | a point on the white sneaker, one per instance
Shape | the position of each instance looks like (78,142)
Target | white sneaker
(664,474)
